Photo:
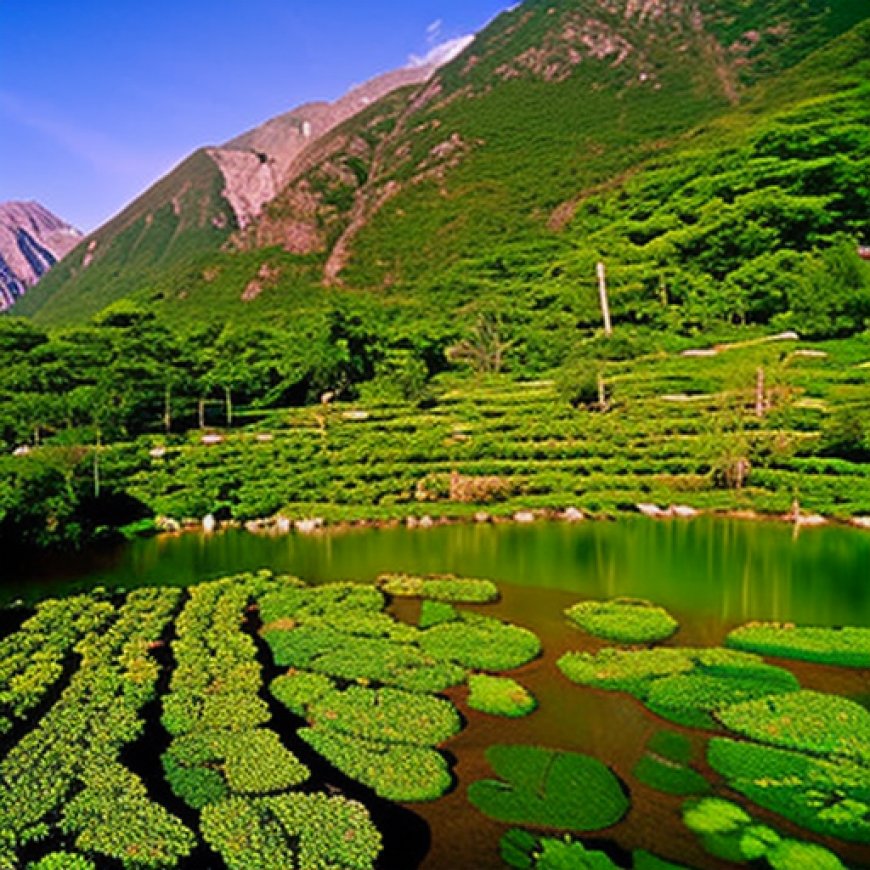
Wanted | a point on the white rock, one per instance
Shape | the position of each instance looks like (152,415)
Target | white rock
(265,437)
(683,511)
(652,510)
(283,524)
(355,415)
(306,527)
(209,523)
(157,452)
(412,522)
(426,522)
(811,520)
(167,524)
(482,517)
(573,515)
(23,450)
(861,522)
(212,439)
(524,517)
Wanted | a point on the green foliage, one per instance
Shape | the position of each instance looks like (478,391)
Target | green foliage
(500,696)
(438,588)
(213,708)
(810,721)
(828,797)
(623,620)
(435,613)
(297,689)
(729,832)
(399,772)
(546,787)
(292,831)
(481,643)
(62,861)
(682,684)
(847,647)
(65,774)
(667,776)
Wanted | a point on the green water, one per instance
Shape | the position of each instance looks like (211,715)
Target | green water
(724,571)
(711,574)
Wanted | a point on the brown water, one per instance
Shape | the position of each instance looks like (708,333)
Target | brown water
(711,574)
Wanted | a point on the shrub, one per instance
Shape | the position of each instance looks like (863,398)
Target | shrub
(550,788)
(62,861)
(499,696)
(436,612)
(297,689)
(623,620)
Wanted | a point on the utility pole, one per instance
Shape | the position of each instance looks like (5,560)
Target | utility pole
(602,293)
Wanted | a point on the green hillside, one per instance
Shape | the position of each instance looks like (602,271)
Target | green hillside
(182,215)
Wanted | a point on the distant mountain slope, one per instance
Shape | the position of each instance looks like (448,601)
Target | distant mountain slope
(32,240)
(195,208)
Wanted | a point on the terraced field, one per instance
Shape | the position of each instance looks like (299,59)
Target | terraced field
(678,428)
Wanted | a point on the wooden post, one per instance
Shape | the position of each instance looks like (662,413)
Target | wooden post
(760,401)
(602,394)
(605,307)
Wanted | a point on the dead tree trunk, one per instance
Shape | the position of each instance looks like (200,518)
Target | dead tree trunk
(760,397)
(605,306)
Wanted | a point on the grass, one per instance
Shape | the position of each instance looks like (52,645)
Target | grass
(553,789)
(623,620)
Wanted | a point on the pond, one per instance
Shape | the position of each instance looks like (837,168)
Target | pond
(711,574)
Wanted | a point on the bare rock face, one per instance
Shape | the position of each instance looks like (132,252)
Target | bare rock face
(259,163)
(32,240)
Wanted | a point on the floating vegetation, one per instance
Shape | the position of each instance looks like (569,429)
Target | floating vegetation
(31,659)
(524,850)
(551,788)
(297,689)
(292,830)
(65,776)
(829,797)
(729,832)
(297,601)
(665,766)
(481,643)
(623,620)
(213,708)
(685,685)
(62,861)
(809,721)
(847,647)
(348,657)
(499,696)
(386,714)
(436,612)
(396,771)
(440,588)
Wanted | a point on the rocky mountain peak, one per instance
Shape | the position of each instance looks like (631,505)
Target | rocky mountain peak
(32,240)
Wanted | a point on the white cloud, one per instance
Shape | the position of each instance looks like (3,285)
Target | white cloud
(443,52)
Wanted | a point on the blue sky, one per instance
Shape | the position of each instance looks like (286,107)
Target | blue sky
(98,99)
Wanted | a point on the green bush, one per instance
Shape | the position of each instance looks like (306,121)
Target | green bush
(848,647)
(62,861)
(499,696)
(297,689)
(436,612)
(623,620)
(550,788)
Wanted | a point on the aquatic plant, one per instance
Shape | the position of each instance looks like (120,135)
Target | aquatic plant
(291,830)
(440,588)
(848,647)
(809,721)
(436,612)
(499,696)
(829,797)
(482,643)
(297,689)
(62,861)
(729,832)
(623,620)
(396,771)
(548,787)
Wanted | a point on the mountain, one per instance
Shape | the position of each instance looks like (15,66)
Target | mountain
(198,205)
(466,181)
(32,240)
